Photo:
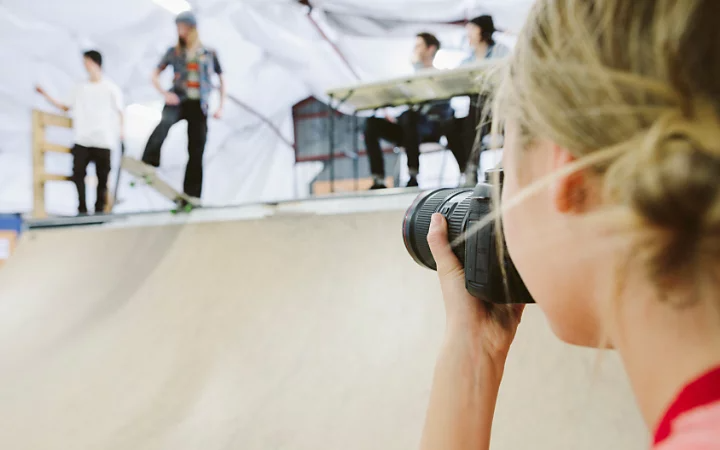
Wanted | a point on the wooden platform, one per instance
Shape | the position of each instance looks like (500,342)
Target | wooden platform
(340,186)
(217,336)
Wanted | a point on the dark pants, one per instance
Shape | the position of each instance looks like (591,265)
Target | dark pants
(82,157)
(474,128)
(410,130)
(197,135)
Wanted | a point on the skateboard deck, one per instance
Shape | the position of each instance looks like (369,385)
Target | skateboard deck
(148,175)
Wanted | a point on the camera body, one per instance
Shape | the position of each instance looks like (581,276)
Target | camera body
(478,252)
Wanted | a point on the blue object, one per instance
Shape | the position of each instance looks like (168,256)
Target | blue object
(11,222)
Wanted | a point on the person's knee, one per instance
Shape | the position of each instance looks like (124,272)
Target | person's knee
(103,173)
(77,177)
(78,173)
(196,146)
(162,130)
(371,126)
(408,117)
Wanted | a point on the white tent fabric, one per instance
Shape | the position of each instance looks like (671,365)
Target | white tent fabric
(272,53)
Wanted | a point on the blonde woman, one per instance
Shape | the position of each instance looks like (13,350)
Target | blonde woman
(193,65)
(612,118)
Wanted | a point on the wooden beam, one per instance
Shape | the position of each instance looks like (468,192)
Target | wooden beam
(55,177)
(55,148)
(363,184)
(55,120)
(108,202)
(38,138)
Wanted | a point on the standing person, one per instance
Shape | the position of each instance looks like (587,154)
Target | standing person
(612,114)
(97,107)
(424,123)
(480,31)
(192,64)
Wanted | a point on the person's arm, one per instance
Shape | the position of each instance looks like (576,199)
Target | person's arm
(463,396)
(51,100)
(219,112)
(156,81)
(471,363)
(171,98)
(219,71)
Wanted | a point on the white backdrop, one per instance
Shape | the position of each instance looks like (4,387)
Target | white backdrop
(272,55)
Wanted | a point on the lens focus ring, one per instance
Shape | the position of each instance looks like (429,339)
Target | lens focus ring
(419,215)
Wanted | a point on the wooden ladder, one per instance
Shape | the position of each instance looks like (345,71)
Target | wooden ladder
(42,120)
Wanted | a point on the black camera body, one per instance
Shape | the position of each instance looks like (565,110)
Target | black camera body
(463,209)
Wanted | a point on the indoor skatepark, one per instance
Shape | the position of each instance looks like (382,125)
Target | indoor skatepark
(220,324)
(204,229)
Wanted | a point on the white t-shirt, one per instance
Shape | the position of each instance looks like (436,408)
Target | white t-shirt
(96,109)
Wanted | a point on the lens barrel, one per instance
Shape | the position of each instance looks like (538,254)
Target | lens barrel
(454,204)
(489,274)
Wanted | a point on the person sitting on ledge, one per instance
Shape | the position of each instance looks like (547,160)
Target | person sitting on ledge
(422,123)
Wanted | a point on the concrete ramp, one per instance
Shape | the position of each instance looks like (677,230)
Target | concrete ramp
(302,332)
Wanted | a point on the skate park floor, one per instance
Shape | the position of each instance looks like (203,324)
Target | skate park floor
(301,326)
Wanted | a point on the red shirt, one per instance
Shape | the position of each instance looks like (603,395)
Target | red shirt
(693,420)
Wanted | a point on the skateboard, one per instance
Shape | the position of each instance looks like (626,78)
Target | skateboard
(147,175)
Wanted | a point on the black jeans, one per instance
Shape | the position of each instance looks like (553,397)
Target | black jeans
(82,156)
(407,133)
(192,111)
(474,129)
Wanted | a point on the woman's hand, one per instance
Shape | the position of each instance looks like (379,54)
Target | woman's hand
(488,329)
(172,99)
(472,360)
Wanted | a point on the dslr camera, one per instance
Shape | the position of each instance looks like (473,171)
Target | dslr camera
(478,252)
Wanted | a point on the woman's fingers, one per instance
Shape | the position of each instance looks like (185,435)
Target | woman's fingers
(447,263)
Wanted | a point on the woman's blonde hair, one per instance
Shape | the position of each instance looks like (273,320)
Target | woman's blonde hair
(632,88)
(191,42)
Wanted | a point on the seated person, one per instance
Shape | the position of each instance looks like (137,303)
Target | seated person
(480,32)
(422,123)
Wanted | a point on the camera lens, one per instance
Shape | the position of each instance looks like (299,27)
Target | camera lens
(454,204)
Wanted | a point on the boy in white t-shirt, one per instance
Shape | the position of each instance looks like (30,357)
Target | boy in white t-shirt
(97,107)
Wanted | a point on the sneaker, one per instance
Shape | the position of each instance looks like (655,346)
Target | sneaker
(377,185)
(412,182)
(196,202)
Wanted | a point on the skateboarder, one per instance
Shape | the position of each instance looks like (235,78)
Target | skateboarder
(97,107)
(193,64)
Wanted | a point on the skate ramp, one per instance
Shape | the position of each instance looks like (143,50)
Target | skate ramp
(298,332)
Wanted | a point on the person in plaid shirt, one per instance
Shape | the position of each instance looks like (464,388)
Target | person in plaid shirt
(188,99)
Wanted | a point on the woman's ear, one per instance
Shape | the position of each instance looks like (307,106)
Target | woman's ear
(569,193)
